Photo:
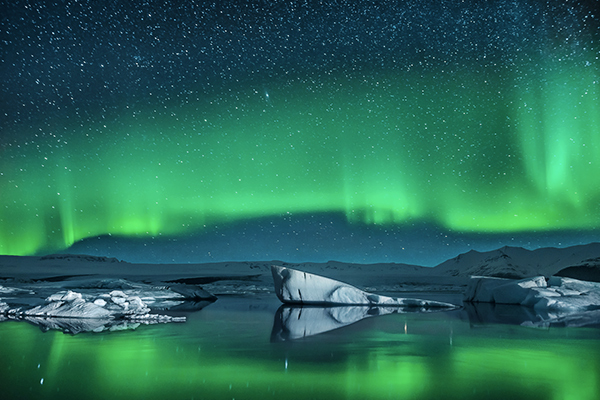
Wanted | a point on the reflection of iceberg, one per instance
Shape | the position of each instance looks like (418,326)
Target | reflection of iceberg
(578,319)
(79,325)
(296,322)
(297,287)
(486,313)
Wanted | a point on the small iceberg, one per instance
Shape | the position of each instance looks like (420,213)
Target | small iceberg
(69,304)
(298,287)
(557,294)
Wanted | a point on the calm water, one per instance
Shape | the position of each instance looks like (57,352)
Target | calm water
(225,351)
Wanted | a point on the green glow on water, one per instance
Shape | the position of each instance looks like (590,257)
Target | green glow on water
(506,149)
(211,360)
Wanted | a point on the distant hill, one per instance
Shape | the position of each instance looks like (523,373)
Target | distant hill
(67,266)
(78,257)
(580,262)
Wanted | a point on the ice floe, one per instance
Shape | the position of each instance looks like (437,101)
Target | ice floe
(69,304)
(94,307)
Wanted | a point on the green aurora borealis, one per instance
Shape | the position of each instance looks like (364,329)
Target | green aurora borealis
(484,149)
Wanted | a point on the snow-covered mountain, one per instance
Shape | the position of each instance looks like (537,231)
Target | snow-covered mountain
(580,262)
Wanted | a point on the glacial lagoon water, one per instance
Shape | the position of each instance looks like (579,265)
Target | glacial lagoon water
(230,350)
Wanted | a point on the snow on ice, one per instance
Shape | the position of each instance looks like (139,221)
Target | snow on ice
(94,307)
(552,294)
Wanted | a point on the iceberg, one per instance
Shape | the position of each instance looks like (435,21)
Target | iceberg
(70,312)
(298,287)
(85,303)
(557,294)
(69,305)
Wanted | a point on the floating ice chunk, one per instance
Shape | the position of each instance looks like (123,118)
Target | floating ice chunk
(557,294)
(92,310)
(71,304)
(297,287)
(116,294)
(100,302)
(3,307)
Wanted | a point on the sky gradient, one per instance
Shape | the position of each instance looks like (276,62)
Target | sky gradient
(418,126)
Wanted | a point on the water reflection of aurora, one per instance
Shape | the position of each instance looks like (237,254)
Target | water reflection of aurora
(436,358)
(494,149)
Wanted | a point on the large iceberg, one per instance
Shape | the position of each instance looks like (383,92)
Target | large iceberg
(298,287)
(555,294)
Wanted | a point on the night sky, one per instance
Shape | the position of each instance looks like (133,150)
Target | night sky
(183,131)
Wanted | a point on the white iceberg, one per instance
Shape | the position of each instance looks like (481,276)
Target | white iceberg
(554,294)
(88,303)
(298,287)
(68,305)
(71,304)
(70,312)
